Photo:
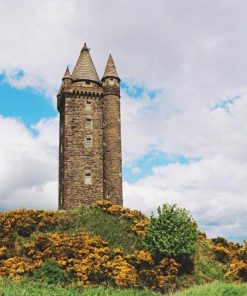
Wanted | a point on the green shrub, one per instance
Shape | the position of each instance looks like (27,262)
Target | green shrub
(172,233)
(50,273)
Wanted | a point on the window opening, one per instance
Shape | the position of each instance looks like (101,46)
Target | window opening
(89,123)
(88,178)
(88,106)
(89,141)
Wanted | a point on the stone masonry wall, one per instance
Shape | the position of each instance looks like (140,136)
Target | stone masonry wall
(61,158)
(78,159)
(112,142)
(103,161)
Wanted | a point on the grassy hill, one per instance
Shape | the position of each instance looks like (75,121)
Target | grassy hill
(8,288)
(215,289)
(66,252)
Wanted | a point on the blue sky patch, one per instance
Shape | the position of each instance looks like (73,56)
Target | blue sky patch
(145,165)
(226,104)
(137,91)
(18,75)
(25,104)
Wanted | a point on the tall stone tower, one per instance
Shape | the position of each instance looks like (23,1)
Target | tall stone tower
(90,160)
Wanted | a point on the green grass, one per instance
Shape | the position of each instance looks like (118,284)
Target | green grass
(9,288)
(206,267)
(215,289)
(114,229)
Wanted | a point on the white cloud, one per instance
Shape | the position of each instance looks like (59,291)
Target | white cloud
(170,44)
(193,51)
(29,169)
(213,190)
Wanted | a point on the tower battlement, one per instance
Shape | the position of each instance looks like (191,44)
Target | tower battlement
(90,159)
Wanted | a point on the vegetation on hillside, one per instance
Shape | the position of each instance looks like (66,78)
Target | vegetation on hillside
(27,288)
(215,289)
(113,246)
(172,234)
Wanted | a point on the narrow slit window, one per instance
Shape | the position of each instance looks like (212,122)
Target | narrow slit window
(89,141)
(88,178)
(89,123)
(88,105)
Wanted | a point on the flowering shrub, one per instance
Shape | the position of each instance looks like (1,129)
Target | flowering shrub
(237,269)
(222,254)
(15,267)
(234,255)
(90,260)
(230,246)
(140,227)
(24,223)
(34,243)
(3,252)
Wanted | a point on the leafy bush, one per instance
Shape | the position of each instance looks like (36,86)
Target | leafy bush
(172,233)
(51,273)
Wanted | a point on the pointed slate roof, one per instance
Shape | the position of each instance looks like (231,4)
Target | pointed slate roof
(84,68)
(67,74)
(110,69)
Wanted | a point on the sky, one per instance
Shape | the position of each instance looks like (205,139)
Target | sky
(183,101)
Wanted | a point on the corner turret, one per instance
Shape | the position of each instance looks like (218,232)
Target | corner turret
(67,78)
(112,134)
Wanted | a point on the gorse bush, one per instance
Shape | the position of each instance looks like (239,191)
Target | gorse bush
(234,256)
(90,260)
(82,247)
(172,233)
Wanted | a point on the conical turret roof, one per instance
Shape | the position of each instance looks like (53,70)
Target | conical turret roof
(84,68)
(67,74)
(110,69)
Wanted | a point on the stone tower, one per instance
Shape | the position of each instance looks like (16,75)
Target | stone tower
(90,160)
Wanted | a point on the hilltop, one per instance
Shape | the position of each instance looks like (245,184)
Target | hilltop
(104,245)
